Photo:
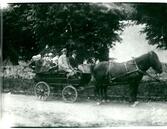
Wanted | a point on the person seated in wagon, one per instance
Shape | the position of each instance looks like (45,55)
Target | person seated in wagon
(63,63)
(73,60)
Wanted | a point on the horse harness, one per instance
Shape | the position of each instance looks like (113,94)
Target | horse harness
(128,72)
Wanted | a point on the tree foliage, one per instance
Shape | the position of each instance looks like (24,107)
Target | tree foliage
(89,28)
(154,16)
(18,38)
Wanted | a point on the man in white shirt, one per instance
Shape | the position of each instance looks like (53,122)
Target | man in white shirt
(63,62)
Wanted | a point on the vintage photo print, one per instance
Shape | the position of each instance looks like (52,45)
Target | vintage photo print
(83,64)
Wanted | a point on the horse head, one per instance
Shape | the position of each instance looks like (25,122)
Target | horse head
(155,62)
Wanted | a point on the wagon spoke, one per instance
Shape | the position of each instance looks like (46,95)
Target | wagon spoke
(46,94)
(42,90)
(69,94)
(38,88)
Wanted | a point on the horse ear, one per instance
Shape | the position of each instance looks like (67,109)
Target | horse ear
(152,52)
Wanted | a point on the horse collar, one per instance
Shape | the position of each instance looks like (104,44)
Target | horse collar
(137,67)
(126,67)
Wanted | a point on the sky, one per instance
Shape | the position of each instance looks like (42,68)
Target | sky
(134,44)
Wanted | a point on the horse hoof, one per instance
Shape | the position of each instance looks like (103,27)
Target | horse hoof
(135,104)
(103,101)
(98,103)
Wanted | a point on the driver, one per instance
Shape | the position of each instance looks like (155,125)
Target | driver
(63,63)
(73,60)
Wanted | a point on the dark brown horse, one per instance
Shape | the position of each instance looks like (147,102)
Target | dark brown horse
(131,72)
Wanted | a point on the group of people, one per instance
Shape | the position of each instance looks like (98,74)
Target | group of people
(61,63)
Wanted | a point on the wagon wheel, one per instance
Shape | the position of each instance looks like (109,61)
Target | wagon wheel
(42,90)
(69,94)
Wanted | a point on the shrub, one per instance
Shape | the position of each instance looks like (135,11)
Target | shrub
(18,71)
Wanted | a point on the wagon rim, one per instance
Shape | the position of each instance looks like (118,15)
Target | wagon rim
(42,90)
(69,94)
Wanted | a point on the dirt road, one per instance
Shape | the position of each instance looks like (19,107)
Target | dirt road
(27,111)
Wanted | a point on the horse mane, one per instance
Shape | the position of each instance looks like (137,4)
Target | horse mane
(150,53)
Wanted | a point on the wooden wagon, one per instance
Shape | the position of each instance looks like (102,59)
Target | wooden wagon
(71,88)
(45,82)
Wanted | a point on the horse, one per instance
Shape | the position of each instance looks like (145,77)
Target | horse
(131,72)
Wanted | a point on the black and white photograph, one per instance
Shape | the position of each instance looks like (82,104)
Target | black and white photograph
(83,64)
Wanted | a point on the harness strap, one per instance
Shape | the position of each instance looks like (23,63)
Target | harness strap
(125,64)
(135,63)
(137,70)
(145,73)
(109,67)
(126,67)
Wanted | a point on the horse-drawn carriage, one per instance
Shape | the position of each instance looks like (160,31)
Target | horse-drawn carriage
(130,72)
(57,81)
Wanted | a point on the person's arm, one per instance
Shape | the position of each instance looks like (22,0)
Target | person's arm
(60,61)
(69,63)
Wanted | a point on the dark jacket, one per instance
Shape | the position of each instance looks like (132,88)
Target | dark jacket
(73,62)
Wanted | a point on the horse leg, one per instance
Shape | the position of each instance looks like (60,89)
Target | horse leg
(105,93)
(100,93)
(133,91)
(100,87)
(96,92)
(107,80)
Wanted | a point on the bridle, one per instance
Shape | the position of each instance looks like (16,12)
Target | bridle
(144,72)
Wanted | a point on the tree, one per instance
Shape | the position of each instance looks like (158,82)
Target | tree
(89,28)
(18,39)
(154,17)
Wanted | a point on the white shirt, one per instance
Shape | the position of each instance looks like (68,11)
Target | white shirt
(63,62)
(55,59)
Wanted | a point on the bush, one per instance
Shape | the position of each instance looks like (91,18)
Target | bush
(18,78)
(18,71)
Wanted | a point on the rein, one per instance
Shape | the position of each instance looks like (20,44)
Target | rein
(145,73)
